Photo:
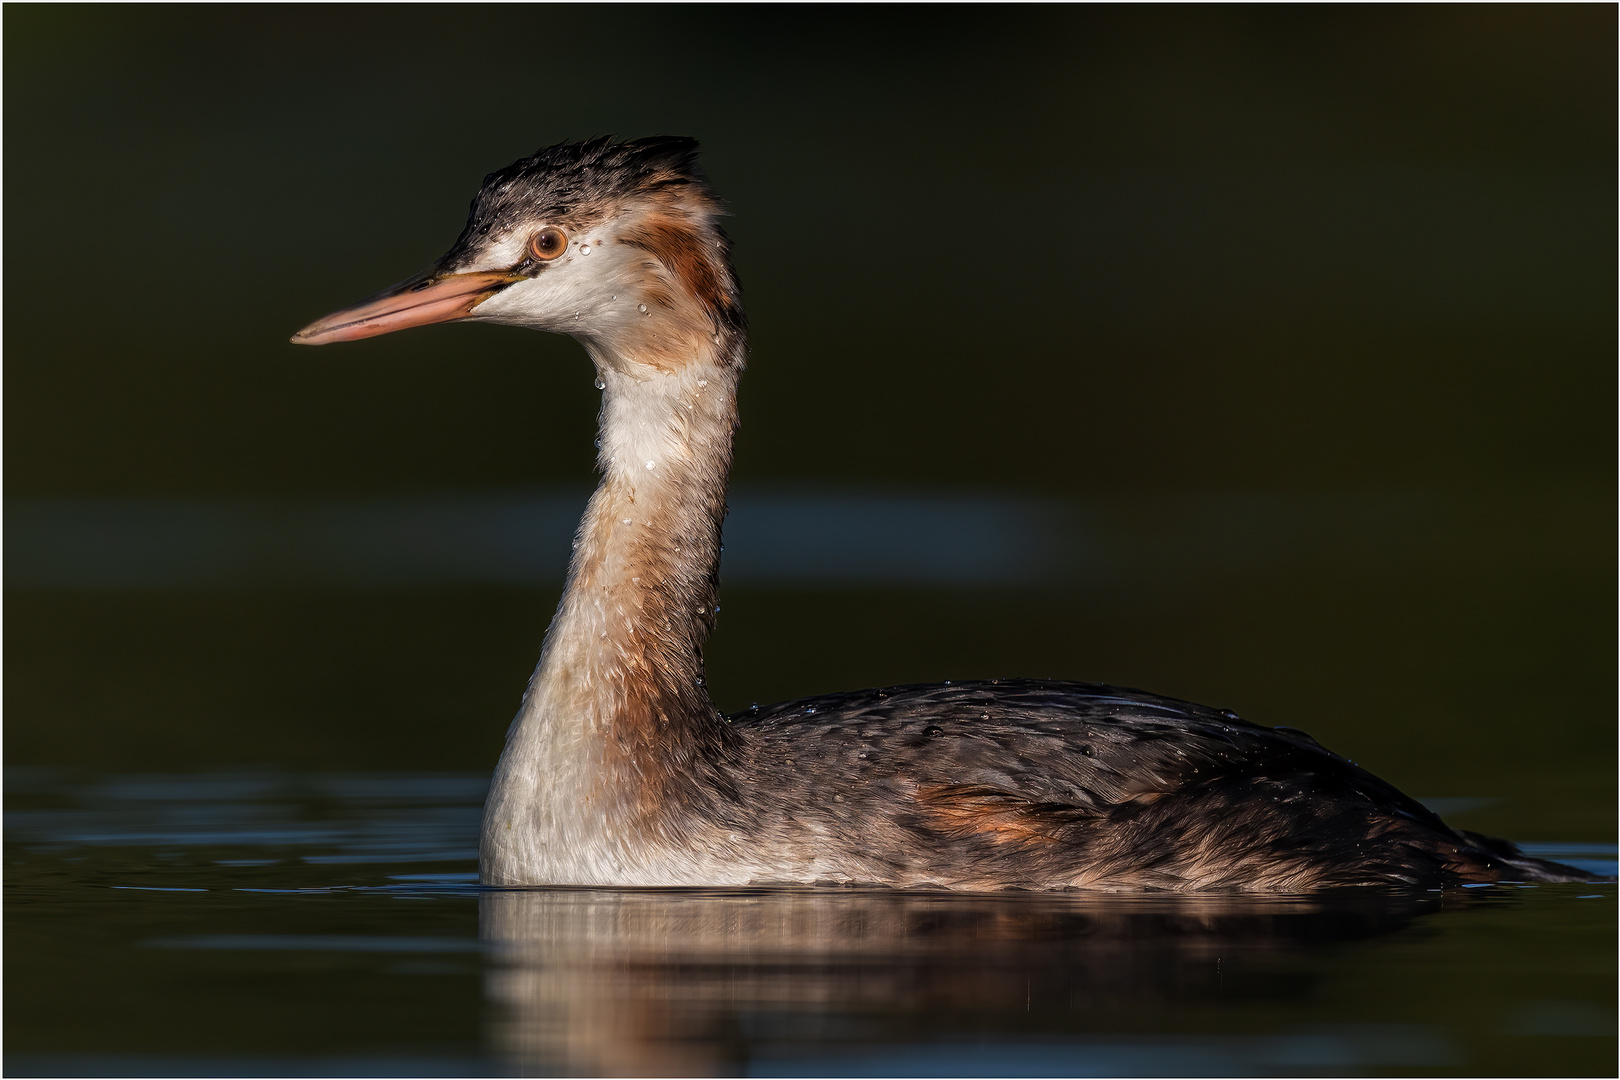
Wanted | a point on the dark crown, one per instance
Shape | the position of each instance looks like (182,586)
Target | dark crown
(580,182)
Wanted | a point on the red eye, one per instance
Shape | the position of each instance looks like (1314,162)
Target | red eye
(548,244)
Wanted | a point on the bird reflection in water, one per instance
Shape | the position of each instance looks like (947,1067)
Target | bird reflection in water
(701,982)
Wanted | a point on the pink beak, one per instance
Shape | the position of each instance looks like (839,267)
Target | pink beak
(430,298)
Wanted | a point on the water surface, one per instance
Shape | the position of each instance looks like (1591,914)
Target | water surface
(278,923)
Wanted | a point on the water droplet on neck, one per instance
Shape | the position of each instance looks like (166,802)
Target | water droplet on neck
(703,382)
(717,339)
(642,308)
(584,249)
(600,385)
(652,464)
(627,521)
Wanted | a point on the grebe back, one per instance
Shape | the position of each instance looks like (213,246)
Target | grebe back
(618,769)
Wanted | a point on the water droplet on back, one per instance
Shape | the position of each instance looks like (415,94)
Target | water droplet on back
(600,385)
(642,308)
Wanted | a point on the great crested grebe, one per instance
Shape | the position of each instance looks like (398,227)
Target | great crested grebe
(618,770)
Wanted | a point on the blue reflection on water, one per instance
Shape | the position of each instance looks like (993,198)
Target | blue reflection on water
(520,537)
(390,818)
(773,537)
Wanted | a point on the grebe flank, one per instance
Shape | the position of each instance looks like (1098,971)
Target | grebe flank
(618,770)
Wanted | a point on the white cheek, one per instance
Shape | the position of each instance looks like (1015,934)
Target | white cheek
(591,295)
(547,302)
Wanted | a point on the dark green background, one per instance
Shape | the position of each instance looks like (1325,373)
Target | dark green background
(1127,257)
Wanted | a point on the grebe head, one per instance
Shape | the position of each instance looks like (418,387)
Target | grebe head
(617,244)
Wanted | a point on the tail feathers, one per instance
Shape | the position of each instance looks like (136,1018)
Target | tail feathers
(1511,864)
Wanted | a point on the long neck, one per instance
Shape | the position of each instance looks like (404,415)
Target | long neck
(617,713)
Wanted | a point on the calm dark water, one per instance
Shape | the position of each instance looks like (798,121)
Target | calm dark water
(258,923)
